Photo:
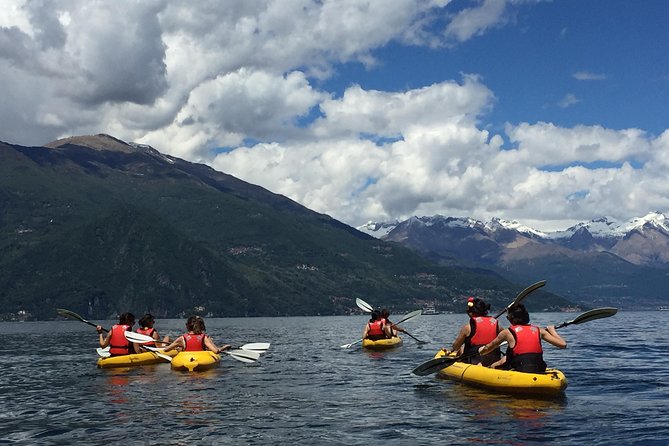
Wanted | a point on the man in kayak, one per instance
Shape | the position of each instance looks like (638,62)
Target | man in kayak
(115,339)
(480,330)
(524,353)
(375,329)
(196,339)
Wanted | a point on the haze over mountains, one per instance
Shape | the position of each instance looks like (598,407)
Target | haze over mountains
(598,261)
(101,226)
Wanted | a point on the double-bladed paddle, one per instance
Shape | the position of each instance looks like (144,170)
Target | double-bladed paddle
(239,355)
(364,306)
(404,319)
(139,338)
(72,315)
(436,364)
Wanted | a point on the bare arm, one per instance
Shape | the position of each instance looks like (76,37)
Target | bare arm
(213,347)
(550,335)
(504,335)
(365,331)
(104,340)
(178,343)
(460,339)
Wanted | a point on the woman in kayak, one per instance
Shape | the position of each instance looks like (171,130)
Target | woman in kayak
(375,329)
(390,329)
(480,330)
(146,324)
(524,353)
(196,339)
(115,339)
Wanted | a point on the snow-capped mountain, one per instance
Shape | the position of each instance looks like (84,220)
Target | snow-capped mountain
(594,259)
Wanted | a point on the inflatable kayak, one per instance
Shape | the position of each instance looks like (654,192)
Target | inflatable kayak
(382,344)
(144,358)
(190,361)
(550,382)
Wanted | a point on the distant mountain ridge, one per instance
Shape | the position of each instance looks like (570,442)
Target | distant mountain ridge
(101,226)
(588,259)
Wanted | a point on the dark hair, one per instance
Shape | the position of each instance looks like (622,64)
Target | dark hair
(198,326)
(385,313)
(518,315)
(375,316)
(127,319)
(477,307)
(147,320)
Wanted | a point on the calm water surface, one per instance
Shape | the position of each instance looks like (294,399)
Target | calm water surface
(307,390)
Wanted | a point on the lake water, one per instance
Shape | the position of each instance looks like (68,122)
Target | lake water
(307,390)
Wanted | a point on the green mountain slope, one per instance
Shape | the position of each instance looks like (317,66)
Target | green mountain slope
(100,227)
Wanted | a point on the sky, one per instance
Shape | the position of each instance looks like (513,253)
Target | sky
(544,112)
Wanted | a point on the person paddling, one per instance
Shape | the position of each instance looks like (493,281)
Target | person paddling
(146,324)
(375,329)
(480,330)
(390,329)
(524,353)
(196,339)
(115,339)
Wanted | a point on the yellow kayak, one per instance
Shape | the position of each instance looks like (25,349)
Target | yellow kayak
(190,361)
(144,358)
(550,382)
(382,344)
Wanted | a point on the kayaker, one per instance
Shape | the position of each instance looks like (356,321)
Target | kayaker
(146,324)
(196,339)
(390,329)
(115,339)
(375,329)
(480,330)
(524,353)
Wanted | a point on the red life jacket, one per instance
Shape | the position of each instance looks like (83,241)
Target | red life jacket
(194,342)
(147,332)
(375,328)
(528,339)
(484,330)
(118,344)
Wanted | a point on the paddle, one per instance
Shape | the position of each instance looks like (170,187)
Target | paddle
(72,315)
(521,296)
(364,306)
(436,364)
(239,355)
(103,352)
(139,338)
(404,319)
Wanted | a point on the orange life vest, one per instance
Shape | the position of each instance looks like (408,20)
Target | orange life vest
(528,339)
(484,330)
(118,344)
(194,342)
(148,332)
(375,328)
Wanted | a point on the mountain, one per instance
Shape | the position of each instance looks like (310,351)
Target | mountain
(601,261)
(101,226)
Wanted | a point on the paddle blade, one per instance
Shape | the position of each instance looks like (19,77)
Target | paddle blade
(408,316)
(243,355)
(258,346)
(138,338)
(364,306)
(433,366)
(597,313)
(522,295)
(103,352)
(69,314)
(157,351)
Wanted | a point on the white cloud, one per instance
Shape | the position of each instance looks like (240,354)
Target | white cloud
(568,100)
(191,77)
(587,76)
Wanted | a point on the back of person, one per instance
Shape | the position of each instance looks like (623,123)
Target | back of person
(118,344)
(483,330)
(527,354)
(194,342)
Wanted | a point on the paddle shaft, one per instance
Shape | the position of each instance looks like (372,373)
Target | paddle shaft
(521,296)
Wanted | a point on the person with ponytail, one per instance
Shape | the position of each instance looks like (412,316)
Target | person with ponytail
(479,331)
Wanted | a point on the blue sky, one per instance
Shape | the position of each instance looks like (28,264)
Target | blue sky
(545,112)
